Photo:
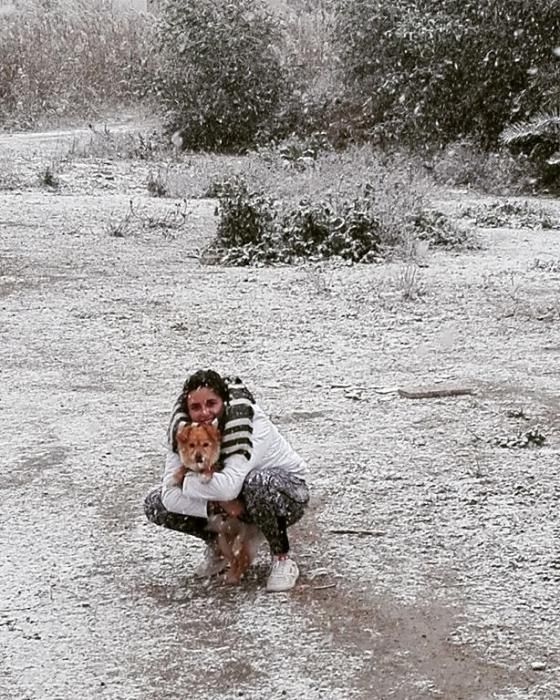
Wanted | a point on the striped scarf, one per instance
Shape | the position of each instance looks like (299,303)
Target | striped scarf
(236,425)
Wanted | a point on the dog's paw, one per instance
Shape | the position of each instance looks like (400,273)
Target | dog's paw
(232,578)
(179,475)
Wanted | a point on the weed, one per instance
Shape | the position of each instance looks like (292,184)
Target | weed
(510,214)
(505,289)
(123,226)
(295,152)
(9,179)
(435,228)
(320,278)
(503,284)
(552,265)
(107,143)
(530,438)
(463,164)
(47,178)
(172,220)
(409,282)
(137,221)
(157,184)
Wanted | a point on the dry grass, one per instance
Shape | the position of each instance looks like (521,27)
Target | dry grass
(60,60)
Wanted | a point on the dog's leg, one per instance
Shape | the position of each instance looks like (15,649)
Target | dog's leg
(225,546)
(233,574)
(232,529)
(241,559)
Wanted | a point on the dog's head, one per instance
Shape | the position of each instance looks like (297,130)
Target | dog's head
(198,446)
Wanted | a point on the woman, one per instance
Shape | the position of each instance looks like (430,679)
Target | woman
(262,480)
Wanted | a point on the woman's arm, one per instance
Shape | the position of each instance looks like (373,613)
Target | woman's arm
(172,496)
(224,485)
(192,495)
(227,484)
(237,431)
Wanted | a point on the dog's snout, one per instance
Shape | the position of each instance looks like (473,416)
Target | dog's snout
(199,458)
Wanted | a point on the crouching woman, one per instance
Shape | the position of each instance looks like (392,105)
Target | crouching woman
(262,480)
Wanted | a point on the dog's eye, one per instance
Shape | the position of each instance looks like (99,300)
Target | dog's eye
(205,444)
(192,445)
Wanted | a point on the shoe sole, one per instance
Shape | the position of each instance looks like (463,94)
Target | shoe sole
(280,590)
(210,574)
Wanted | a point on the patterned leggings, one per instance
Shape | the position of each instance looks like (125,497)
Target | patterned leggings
(274,499)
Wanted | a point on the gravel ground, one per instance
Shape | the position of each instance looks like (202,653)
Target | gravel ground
(429,554)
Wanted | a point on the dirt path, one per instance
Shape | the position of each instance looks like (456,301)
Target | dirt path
(450,592)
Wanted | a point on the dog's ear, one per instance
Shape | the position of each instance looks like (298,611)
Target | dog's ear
(182,434)
(212,432)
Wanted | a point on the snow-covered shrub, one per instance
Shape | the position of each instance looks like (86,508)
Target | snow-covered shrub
(372,210)
(462,163)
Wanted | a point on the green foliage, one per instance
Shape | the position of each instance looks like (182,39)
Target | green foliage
(539,139)
(521,439)
(220,78)
(365,226)
(510,215)
(445,69)
(246,217)
(48,178)
(435,227)
(542,125)
(157,184)
(297,153)
(255,228)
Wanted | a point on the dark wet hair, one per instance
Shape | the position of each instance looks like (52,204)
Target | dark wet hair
(205,378)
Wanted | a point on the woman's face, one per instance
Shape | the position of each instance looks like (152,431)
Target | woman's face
(204,405)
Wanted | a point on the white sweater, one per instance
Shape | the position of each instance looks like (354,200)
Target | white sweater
(270,449)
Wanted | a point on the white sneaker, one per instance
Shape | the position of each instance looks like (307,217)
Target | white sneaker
(212,563)
(283,575)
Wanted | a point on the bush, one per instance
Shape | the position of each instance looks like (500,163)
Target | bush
(499,172)
(220,78)
(376,209)
(255,228)
(510,215)
(445,69)
(61,59)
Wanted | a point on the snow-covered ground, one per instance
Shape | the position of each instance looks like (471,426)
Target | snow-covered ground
(429,554)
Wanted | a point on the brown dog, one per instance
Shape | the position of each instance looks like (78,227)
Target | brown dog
(199,449)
